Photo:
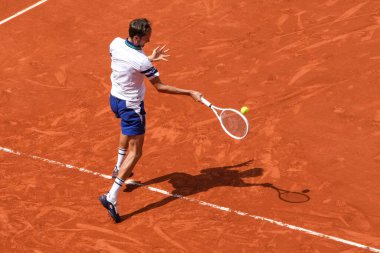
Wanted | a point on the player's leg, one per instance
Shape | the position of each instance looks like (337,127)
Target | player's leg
(117,106)
(109,200)
(133,130)
(135,145)
(122,151)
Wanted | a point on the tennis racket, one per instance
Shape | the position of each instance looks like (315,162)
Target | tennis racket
(232,121)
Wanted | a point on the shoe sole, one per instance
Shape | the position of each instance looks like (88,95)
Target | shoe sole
(116,219)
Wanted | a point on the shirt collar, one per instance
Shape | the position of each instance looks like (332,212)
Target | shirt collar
(130,44)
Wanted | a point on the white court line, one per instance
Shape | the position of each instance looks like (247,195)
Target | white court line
(23,11)
(221,208)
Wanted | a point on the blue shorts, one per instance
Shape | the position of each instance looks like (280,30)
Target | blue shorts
(132,123)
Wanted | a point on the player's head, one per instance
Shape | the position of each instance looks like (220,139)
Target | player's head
(140,31)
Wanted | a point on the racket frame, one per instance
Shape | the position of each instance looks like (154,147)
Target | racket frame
(215,108)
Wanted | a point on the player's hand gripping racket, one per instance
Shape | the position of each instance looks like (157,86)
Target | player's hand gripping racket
(232,121)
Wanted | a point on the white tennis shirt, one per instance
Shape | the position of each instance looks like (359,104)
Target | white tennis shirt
(129,65)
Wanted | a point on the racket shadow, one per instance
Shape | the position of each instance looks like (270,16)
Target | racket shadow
(288,196)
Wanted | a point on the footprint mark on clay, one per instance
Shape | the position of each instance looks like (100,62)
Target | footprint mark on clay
(209,7)
(303,71)
(281,20)
(299,21)
(61,75)
(351,11)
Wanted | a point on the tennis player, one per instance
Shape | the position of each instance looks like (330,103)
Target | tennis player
(129,66)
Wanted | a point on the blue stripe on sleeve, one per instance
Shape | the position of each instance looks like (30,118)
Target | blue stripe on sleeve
(152,74)
(148,70)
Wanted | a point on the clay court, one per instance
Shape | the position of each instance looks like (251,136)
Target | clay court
(308,71)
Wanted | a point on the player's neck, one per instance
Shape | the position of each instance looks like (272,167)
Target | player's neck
(130,43)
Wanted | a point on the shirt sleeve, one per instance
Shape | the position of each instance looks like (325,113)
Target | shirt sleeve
(149,70)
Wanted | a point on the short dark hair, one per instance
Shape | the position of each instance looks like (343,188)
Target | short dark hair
(139,27)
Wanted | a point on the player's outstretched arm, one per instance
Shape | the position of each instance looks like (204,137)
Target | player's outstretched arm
(164,88)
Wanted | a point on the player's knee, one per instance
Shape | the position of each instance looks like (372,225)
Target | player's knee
(123,144)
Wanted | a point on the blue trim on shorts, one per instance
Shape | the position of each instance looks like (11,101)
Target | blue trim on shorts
(131,123)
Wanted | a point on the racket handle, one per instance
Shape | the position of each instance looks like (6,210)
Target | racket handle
(205,102)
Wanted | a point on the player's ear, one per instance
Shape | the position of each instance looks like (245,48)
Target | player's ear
(135,39)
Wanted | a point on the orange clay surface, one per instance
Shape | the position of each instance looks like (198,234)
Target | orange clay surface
(9,8)
(308,70)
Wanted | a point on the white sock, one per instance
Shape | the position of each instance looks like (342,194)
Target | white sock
(112,194)
(120,157)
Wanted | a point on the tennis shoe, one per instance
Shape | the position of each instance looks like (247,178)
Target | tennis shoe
(112,210)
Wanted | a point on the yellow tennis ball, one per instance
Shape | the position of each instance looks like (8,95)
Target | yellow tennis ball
(244,110)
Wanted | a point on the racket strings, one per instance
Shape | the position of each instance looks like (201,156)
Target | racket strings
(234,123)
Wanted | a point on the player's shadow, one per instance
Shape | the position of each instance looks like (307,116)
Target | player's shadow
(185,184)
